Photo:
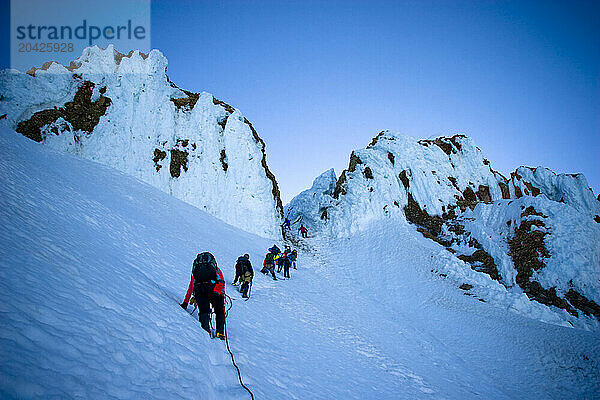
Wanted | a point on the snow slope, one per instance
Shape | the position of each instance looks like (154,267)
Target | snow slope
(124,112)
(93,263)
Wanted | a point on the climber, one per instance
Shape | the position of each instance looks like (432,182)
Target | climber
(286,264)
(293,258)
(269,265)
(287,224)
(246,273)
(303,231)
(275,250)
(285,261)
(208,285)
(282,257)
(239,270)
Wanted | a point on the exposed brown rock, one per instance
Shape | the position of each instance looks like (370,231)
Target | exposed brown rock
(3,116)
(226,106)
(178,161)
(453,181)
(186,103)
(457,228)
(159,155)
(223,159)
(588,307)
(531,211)
(120,56)
(340,186)
(390,156)
(223,122)
(433,237)
(354,161)
(268,173)
(504,189)
(324,215)
(532,189)
(417,216)
(368,173)
(450,214)
(375,139)
(81,113)
(465,286)
(518,193)
(469,195)
(482,261)
(455,142)
(403,179)
(527,249)
(448,145)
(483,194)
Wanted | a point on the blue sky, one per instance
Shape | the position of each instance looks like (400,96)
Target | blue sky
(319,79)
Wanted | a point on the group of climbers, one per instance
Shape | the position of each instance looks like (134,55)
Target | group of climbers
(207,285)
(288,225)
(283,260)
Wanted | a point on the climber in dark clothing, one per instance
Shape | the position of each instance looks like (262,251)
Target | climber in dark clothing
(275,250)
(208,285)
(239,270)
(246,273)
(287,224)
(285,262)
(293,258)
(269,265)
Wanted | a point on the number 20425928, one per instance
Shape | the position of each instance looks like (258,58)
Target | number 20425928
(25,47)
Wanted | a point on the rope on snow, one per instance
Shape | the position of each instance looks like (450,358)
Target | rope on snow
(229,350)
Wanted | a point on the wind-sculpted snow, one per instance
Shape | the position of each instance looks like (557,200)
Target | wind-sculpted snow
(376,184)
(568,266)
(318,199)
(124,112)
(453,196)
(571,189)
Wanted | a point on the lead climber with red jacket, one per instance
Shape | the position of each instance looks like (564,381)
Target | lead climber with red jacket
(208,285)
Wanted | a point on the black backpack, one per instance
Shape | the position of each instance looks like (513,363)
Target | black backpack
(241,265)
(205,268)
(269,258)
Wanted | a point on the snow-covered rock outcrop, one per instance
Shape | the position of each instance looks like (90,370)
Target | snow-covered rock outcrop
(395,171)
(310,206)
(571,189)
(123,111)
(536,232)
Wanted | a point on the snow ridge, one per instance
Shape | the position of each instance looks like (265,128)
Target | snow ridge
(450,192)
(123,111)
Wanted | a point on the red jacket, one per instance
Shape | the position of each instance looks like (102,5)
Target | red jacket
(219,286)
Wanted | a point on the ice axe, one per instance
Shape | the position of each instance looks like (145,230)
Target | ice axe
(249,291)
